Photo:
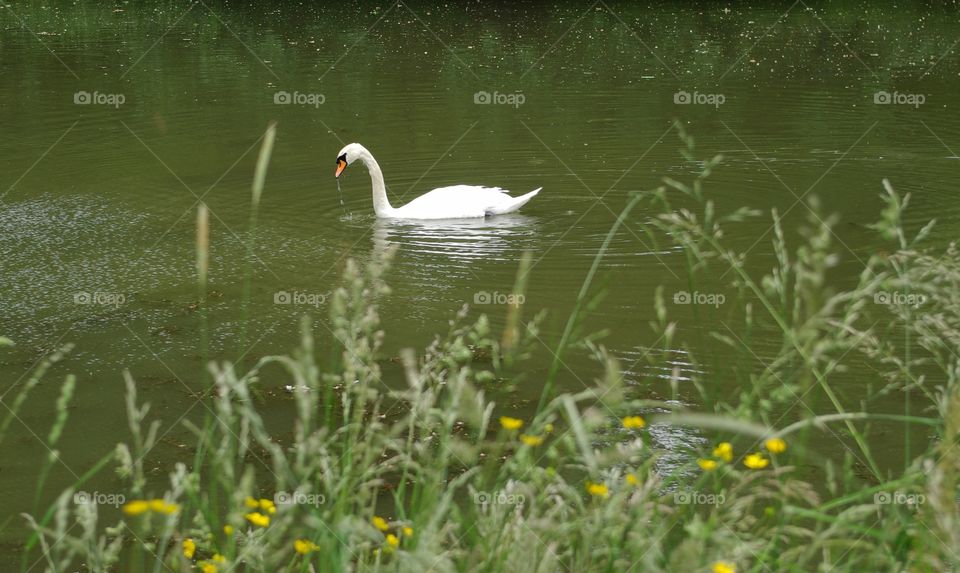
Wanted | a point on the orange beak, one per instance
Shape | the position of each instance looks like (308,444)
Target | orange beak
(341,165)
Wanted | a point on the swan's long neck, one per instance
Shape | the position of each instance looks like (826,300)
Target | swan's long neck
(381,205)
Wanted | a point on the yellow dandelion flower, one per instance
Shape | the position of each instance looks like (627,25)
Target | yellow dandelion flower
(380,523)
(393,541)
(228,529)
(532,441)
(208,567)
(598,489)
(756,461)
(217,558)
(407,531)
(267,506)
(304,546)
(509,423)
(724,451)
(189,548)
(723,567)
(775,445)
(632,479)
(634,422)
(707,465)
(258,519)
(251,502)
(136,507)
(160,506)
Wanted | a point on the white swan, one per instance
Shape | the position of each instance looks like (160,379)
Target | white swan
(455,202)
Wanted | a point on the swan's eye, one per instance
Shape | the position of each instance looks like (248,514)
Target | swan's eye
(342,158)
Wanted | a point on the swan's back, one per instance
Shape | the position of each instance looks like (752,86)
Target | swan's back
(462,201)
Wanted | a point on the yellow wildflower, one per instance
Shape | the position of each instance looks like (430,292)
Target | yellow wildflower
(208,567)
(160,506)
(632,479)
(548,428)
(724,451)
(598,489)
(532,441)
(407,531)
(189,548)
(509,423)
(756,461)
(251,502)
(228,529)
(139,506)
(267,506)
(258,519)
(775,445)
(393,541)
(136,507)
(634,422)
(707,465)
(380,523)
(723,567)
(304,546)
(217,558)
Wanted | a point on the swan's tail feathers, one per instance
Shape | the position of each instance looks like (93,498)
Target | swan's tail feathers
(513,204)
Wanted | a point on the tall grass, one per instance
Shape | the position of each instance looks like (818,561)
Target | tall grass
(431,475)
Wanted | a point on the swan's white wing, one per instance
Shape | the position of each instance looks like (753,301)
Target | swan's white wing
(461,201)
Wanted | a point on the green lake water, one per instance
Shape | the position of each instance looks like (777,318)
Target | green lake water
(98,199)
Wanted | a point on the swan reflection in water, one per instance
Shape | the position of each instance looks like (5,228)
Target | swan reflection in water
(442,264)
(500,238)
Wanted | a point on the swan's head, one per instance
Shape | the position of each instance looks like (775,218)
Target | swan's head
(350,153)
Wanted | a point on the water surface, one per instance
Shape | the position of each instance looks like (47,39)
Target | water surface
(99,201)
